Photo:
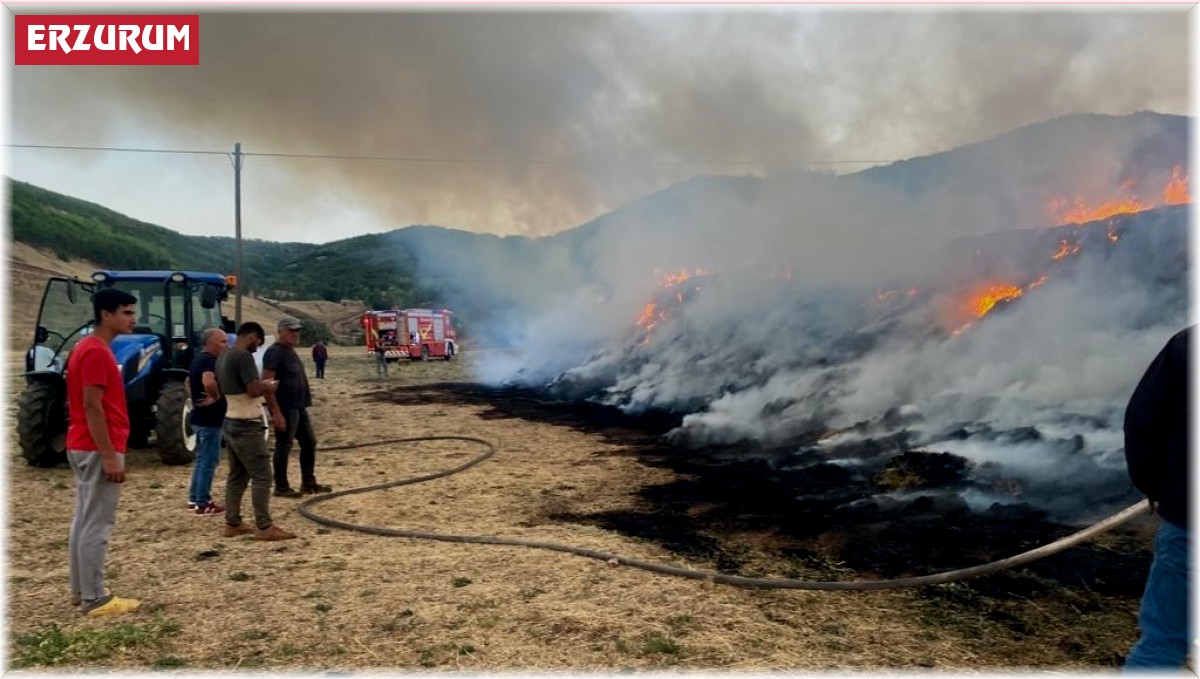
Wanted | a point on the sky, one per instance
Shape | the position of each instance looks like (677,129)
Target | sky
(530,122)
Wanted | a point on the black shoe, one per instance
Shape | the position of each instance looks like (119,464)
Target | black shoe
(287,492)
(314,488)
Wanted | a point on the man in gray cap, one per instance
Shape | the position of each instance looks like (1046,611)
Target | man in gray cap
(281,362)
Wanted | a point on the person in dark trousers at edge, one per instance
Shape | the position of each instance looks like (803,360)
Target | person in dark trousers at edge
(291,418)
(208,416)
(320,354)
(97,434)
(249,459)
(1157,453)
(381,366)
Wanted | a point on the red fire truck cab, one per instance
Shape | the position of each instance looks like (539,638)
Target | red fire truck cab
(411,333)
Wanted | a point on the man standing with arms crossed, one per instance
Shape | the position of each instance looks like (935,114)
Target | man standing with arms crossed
(208,414)
(97,434)
(249,460)
(291,418)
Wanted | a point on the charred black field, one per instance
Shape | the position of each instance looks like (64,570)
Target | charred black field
(779,513)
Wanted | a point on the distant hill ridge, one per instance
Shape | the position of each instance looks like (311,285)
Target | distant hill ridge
(482,274)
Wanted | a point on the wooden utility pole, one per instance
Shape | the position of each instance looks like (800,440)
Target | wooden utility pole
(237,222)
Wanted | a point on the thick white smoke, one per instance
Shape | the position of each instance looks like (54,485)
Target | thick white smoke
(786,338)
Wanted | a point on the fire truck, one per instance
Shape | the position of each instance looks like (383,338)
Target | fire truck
(411,333)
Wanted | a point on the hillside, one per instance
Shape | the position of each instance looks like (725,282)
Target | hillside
(496,284)
(74,228)
(341,318)
(29,267)
(70,228)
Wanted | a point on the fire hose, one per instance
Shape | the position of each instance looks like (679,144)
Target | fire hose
(615,560)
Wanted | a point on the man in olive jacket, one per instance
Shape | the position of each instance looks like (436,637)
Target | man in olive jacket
(1156,451)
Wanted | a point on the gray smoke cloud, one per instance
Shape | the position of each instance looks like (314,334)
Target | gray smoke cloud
(829,304)
(634,101)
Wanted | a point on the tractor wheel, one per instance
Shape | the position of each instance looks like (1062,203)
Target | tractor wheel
(139,436)
(175,438)
(140,426)
(424,353)
(42,424)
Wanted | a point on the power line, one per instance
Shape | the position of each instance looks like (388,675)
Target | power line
(114,148)
(532,161)
(428,159)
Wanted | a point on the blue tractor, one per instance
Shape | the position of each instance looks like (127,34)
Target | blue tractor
(173,310)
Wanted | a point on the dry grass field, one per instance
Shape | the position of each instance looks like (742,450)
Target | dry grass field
(341,600)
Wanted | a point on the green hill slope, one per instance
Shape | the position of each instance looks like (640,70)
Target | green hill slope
(357,268)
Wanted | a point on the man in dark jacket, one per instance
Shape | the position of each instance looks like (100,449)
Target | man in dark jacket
(1156,451)
(291,421)
(320,354)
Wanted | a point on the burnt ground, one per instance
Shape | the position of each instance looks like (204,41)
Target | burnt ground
(774,512)
(732,505)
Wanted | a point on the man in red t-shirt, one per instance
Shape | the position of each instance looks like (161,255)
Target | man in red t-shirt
(96,439)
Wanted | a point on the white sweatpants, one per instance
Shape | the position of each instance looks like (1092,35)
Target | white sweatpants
(95,515)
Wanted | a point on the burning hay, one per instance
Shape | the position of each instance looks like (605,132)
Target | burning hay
(1014,352)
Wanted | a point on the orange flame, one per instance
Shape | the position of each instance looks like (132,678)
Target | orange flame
(647,316)
(985,298)
(670,279)
(652,314)
(1065,249)
(1176,191)
(983,301)
(1080,212)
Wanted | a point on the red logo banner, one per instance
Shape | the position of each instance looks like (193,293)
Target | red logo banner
(107,40)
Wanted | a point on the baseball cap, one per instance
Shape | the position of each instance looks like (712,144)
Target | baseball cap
(288,323)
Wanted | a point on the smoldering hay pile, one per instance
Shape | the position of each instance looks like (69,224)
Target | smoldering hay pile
(1014,350)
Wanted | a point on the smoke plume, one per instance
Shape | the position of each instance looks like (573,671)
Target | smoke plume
(822,312)
(532,123)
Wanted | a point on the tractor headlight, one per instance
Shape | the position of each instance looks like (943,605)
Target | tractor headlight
(99,277)
(178,277)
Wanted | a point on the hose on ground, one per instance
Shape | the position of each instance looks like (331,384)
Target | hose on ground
(613,559)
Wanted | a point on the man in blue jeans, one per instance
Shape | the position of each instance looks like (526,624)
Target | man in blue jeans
(1156,451)
(208,415)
